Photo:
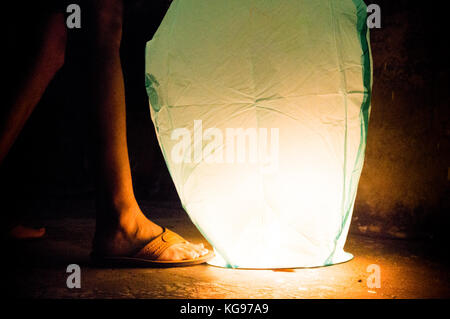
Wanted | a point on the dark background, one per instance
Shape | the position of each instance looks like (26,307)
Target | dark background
(404,188)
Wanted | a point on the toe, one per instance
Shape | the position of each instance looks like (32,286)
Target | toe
(183,251)
(200,249)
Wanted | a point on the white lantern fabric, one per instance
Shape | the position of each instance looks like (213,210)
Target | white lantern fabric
(261,109)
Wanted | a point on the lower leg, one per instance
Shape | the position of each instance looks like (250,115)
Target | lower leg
(26,95)
(122,228)
(20,102)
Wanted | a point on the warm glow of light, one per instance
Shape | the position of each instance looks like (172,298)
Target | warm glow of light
(262,120)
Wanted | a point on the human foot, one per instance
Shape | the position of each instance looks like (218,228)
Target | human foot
(132,232)
(21,232)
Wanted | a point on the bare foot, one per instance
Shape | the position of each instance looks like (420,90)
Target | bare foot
(21,232)
(132,232)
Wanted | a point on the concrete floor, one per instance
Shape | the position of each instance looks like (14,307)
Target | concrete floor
(37,269)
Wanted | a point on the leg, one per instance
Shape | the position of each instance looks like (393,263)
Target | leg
(23,97)
(121,228)
(49,59)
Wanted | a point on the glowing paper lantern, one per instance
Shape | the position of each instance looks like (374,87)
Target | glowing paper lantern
(261,110)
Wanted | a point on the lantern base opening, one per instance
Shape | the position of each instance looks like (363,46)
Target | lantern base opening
(218,261)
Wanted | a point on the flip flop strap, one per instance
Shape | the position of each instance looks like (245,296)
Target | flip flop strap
(157,246)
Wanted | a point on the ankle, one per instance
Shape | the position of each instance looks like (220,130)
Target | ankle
(115,214)
(116,204)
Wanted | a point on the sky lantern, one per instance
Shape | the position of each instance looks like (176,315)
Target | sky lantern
(261,110)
